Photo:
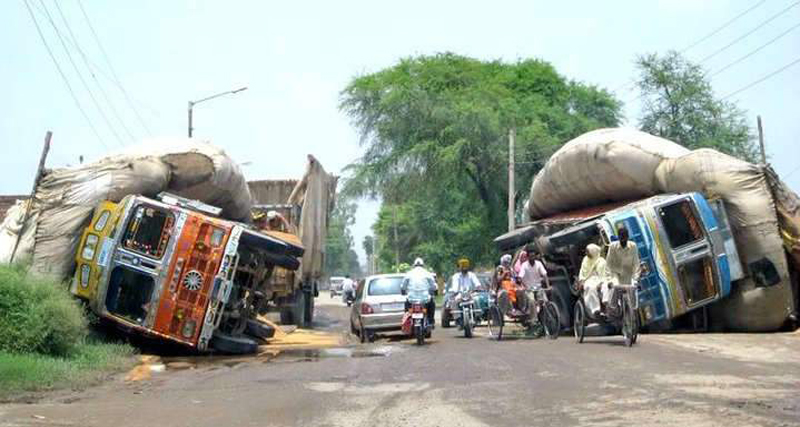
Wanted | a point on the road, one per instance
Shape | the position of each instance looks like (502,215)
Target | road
(666,380)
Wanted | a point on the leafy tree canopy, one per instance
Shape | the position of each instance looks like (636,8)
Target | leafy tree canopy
(435,134)
(679,104)
(340,256)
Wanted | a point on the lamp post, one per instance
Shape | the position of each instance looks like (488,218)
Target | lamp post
(193,103)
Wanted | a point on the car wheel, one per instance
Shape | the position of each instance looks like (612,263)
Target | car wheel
(362,335)
(446,318)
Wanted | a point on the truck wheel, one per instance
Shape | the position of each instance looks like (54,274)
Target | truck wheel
(230,344)
(299,310)
(562,298)
(258,329)
(309,309)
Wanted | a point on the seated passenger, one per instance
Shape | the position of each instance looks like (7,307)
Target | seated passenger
(592,277)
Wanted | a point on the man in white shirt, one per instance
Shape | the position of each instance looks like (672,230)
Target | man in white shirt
(348,288)
(622,263)
(531,276)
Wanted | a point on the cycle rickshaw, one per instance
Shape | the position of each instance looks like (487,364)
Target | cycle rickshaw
(621,312)
(542,311)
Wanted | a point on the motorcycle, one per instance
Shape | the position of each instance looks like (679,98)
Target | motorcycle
(419,321)
(465,316)
(349,297)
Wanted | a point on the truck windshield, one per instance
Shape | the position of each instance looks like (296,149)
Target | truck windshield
(148,231)
(681,224)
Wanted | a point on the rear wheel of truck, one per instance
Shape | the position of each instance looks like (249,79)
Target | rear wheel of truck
(299,309)
(230,344)
(259,330)
(309,309)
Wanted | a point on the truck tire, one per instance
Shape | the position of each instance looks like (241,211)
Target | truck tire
(309,309)
(230,344)
(299,309)
(258,329)
(562,297)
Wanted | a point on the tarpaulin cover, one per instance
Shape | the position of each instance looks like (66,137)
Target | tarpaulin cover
(622,164)
(315,193)
(66,197)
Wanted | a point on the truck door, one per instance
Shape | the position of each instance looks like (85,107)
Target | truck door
(690,250)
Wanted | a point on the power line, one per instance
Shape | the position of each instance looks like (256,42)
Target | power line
(723,26)
(80,75)
(768,76)
(63,76)
(706,37)
(745,35)
(753,52)
(86,62)
(113,72)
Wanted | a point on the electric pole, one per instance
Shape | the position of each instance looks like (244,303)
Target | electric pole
(512,136)
(761,141)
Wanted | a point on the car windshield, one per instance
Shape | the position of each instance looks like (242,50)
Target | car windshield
(385,286)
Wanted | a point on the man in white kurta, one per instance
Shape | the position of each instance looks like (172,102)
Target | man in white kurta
(622,262)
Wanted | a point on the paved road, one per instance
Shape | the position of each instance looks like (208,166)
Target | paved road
(673,380)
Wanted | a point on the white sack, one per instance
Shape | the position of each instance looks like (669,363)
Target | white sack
(624,164)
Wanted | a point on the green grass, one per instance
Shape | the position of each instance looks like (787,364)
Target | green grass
(91,361)
(45,338)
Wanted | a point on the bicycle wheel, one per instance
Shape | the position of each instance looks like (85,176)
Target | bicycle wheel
(628,323)
(495,323)
(579,324)
(551,320)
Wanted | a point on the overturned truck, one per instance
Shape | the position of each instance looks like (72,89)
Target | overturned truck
(717,236)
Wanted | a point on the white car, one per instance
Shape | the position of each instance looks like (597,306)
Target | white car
(336,283)
(379,306)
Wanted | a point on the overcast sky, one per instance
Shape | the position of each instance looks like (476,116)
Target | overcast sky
(295,57)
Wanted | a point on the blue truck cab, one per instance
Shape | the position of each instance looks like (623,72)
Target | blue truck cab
(688,257)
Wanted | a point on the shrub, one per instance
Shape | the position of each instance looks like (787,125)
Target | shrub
(38,315)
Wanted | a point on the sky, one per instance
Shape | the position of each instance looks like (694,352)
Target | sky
(296,57)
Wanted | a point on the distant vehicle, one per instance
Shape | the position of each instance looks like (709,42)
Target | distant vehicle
(171,269)
(336,283)
(687,252)
(378,307)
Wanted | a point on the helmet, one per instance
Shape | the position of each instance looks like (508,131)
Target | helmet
(419,262)
(463,263)
(272,215)
(505,260)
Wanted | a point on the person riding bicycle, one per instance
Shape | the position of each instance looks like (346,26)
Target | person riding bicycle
(622,264)
(532,275)
(420,285)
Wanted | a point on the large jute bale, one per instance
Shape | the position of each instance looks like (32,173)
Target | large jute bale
(597,167)
(610,165)
(66,197)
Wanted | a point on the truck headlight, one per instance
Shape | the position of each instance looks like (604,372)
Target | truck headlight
(89,247)
(86,270)
(188,328)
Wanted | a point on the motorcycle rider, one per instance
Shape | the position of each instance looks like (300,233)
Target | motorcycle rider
(463,282)
(420,285)
(348,289)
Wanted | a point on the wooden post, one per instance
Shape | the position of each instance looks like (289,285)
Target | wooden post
(396,245)
(36,179)
(761,141)
(512,135)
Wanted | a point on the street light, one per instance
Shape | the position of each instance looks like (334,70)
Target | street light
(193,103)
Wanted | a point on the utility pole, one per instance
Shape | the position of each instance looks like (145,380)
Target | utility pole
(36,178)
(761,141)
(512,136)
(396,245)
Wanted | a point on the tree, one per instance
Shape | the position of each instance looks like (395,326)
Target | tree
(340,257)
(679,104)
(435,130)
